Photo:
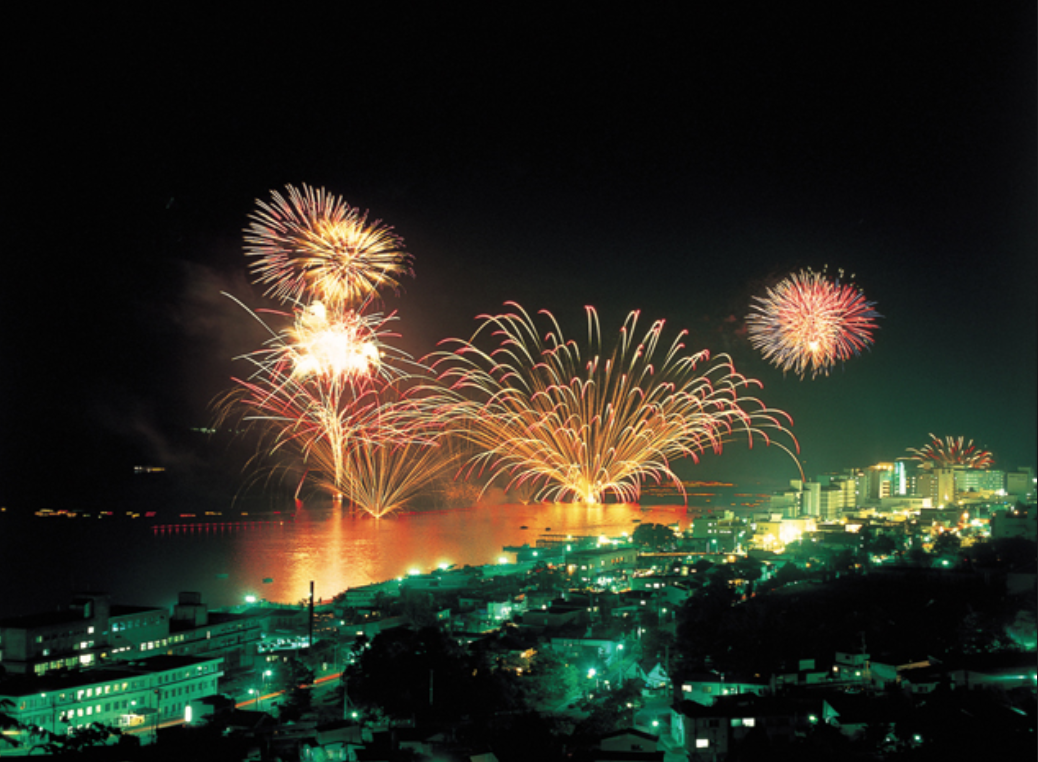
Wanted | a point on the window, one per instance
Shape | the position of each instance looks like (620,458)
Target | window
(702,743)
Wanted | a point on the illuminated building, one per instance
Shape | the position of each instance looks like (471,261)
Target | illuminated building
(592,564)
(980,480)
(811,502)
(830,503)
(880,481)
(196,631)
(1020,484)
(900,480)
(144,693)
(93,632)
(89,632)
(712,535)
(772,535)
(1005,525)
(787,502)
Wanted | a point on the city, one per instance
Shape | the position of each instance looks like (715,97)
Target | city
(668,643)
(454,383)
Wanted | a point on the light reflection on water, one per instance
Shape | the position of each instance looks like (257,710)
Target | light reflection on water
(43,561)
(338,550)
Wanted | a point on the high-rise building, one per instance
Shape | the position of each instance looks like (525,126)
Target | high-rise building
(811,502)
(880,480)
(900,479)
(1020,484)
(980,480)
(788,501)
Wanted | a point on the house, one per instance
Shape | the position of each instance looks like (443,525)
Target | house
(628,745)
(802,673)
(890,669)
(713,732)
(586,646)
(707,687)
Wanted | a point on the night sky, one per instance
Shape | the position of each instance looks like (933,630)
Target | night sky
(677,163)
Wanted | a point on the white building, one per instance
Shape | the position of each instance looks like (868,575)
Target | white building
(139,694)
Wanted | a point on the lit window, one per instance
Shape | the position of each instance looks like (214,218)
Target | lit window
(702,743)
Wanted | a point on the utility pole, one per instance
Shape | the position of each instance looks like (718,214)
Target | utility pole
(311,643)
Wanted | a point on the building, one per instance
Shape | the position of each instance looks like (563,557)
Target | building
(93,632)
(137,694)
(880,481)
(706,688)
(601,566)
(983,480)
(717,535)
(787,502)
(89,632)
(1020,485)
(714,732)
(1014,524)
(196,631)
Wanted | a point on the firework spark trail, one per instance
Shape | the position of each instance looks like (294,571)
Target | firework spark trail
(809,322)
(315,385)
(951,452)
(539,414)
(383,472)
(313,245)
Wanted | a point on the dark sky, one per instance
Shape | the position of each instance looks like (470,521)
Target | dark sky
(673,162)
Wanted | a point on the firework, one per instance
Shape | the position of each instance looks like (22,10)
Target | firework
(386,469)
(315,385)
(951,452)
(578,425)
(809,322)
(333,345)
(312,245)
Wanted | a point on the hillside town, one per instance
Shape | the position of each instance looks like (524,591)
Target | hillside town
(852,615)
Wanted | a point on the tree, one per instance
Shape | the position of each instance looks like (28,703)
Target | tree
(655,536)
(7,722)
(79,738)
(882,545)
(946,542)
(550,681)
(790,572)
(548,578)
(425,673)
(417,610)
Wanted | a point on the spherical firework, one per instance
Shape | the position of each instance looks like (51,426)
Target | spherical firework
(581,426)
(312,245)
(951,452)
(809,322)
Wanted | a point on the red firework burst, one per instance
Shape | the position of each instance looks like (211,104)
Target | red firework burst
(809,322)
(950,452)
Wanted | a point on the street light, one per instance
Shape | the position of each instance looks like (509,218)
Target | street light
(266,678)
